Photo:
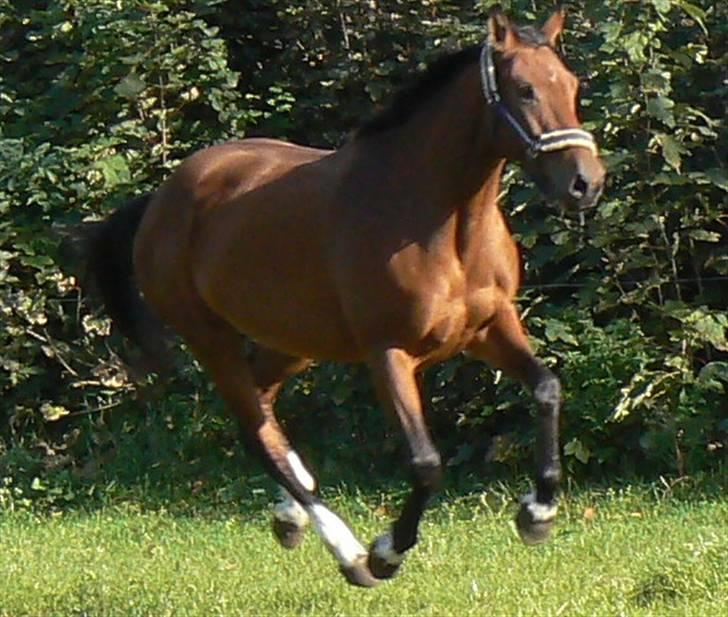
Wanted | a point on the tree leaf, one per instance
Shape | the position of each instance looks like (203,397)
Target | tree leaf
(578,450)
(695,12)
(704,235)
(718,177)
(672,150)
(711,330)
(51,413)
(114,169)
(714,374)
(37,484)
(130,86)
(661,107)
(662,6)
(559,331)
(634,44)
(656,81)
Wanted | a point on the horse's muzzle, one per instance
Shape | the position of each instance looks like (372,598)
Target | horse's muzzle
(589,199)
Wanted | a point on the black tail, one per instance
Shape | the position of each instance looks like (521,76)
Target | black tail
(110,267)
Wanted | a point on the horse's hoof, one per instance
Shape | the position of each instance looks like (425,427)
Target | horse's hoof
(380,568)
(358,573)
(379,565)
(532,528)
(287,534)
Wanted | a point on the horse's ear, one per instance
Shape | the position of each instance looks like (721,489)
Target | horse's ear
(553,26)
(501,34)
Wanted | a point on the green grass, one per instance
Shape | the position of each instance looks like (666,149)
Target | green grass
(627,552)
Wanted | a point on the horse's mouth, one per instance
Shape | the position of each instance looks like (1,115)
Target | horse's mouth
(591,200)
(546,187)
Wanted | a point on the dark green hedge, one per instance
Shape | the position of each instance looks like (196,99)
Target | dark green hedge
(99,99)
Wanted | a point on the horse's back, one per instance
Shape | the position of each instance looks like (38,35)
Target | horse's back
(218,172)
(210,179)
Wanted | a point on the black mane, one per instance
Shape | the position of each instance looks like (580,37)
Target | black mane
(435,77)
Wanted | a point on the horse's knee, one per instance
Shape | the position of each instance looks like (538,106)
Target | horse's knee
(547,391)
(427,472)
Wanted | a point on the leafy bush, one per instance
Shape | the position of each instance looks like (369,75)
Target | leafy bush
(99,100)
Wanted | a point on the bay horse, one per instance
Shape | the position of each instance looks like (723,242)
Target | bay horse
(391,251)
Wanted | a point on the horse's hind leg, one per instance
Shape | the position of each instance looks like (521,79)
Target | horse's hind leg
(219,349)
(504,345)
(270,370)
(394,378)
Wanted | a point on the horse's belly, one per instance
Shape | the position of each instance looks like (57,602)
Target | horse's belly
(285,305)
(297,329)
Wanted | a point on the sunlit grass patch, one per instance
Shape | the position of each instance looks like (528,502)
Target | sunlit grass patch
(627,552)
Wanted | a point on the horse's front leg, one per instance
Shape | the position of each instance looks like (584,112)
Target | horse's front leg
(394,379)
(504,345)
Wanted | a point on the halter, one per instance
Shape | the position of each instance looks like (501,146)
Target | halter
(559,139)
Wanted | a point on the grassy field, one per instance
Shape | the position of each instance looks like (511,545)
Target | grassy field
(634,551)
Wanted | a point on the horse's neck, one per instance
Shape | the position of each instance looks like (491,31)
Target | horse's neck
(451,161)
(474,218)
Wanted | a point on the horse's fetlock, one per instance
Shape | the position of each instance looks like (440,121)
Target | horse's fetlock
(552,474)
(404,537)
(548,391)
(427,471)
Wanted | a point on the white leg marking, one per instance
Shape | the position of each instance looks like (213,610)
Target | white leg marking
(301,473)
(290,511)
(384,549)
(540,512)
(336,535)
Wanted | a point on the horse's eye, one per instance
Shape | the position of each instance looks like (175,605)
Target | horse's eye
(526,93)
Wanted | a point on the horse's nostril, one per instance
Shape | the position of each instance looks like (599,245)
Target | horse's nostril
(579,187)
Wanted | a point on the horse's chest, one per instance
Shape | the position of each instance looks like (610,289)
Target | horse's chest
(456,320)
(427,302)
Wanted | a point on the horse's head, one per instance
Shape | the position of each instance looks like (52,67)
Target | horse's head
(536,97)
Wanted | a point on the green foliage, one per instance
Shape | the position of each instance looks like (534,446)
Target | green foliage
(100,99)
(137,557)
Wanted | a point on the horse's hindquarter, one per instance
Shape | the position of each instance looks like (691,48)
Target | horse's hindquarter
(258,257)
